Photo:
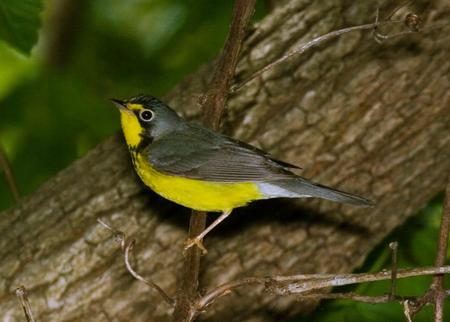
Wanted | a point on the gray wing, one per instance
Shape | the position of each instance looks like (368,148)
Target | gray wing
(199,153)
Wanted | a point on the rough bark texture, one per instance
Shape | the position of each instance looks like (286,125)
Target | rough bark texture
(367,118)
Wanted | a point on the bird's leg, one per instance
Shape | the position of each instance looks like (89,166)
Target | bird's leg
(197,240)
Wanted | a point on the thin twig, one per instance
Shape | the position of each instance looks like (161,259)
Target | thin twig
(371,299)
(412,21)
(436,293)
(398,8)
(439,307)
(347,279)
(127,246)
(415,305)
(407,310)
(301,284)
(438,281)
(394,248)
(22,295)
(9,177)
(150,283)
(311,44)
(350,296)
(213,105)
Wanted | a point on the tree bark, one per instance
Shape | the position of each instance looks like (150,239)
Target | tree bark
(363,117)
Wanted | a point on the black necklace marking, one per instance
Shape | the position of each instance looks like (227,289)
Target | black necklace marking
(146,140)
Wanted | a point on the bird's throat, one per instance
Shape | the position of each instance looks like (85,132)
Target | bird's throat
(131,128)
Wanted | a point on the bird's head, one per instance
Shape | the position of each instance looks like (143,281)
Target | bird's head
(145,117)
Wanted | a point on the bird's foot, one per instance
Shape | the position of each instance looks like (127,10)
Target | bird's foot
(195,241)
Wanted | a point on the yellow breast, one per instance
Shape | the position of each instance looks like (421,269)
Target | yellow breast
(196,194)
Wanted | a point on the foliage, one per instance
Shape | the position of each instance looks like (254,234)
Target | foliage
(19,22)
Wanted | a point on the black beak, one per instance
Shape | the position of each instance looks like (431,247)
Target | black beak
(119,103)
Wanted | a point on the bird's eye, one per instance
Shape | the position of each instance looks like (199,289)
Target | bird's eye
(146,115)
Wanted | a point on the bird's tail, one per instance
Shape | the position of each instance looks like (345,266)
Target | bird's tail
(300,187)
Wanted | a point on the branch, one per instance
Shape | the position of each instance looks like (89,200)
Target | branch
(127,246)
(436,293)
(213,104)
(438,280)
(302,284)
(407,311)
(21,294)
(394,247)
(370,299)
(309,45)
(9,177)
(412,21)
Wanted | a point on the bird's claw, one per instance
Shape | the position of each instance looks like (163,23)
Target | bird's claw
(195,241)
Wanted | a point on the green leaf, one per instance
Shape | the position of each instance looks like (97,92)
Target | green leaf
(19,22)
(14,69)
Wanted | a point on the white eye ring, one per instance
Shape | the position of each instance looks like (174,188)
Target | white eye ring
(146,115)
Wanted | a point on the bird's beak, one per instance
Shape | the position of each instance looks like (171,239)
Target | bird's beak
(120,104)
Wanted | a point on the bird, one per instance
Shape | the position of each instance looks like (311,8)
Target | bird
(204,170)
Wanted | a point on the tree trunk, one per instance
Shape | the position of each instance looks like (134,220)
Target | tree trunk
(363,117)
